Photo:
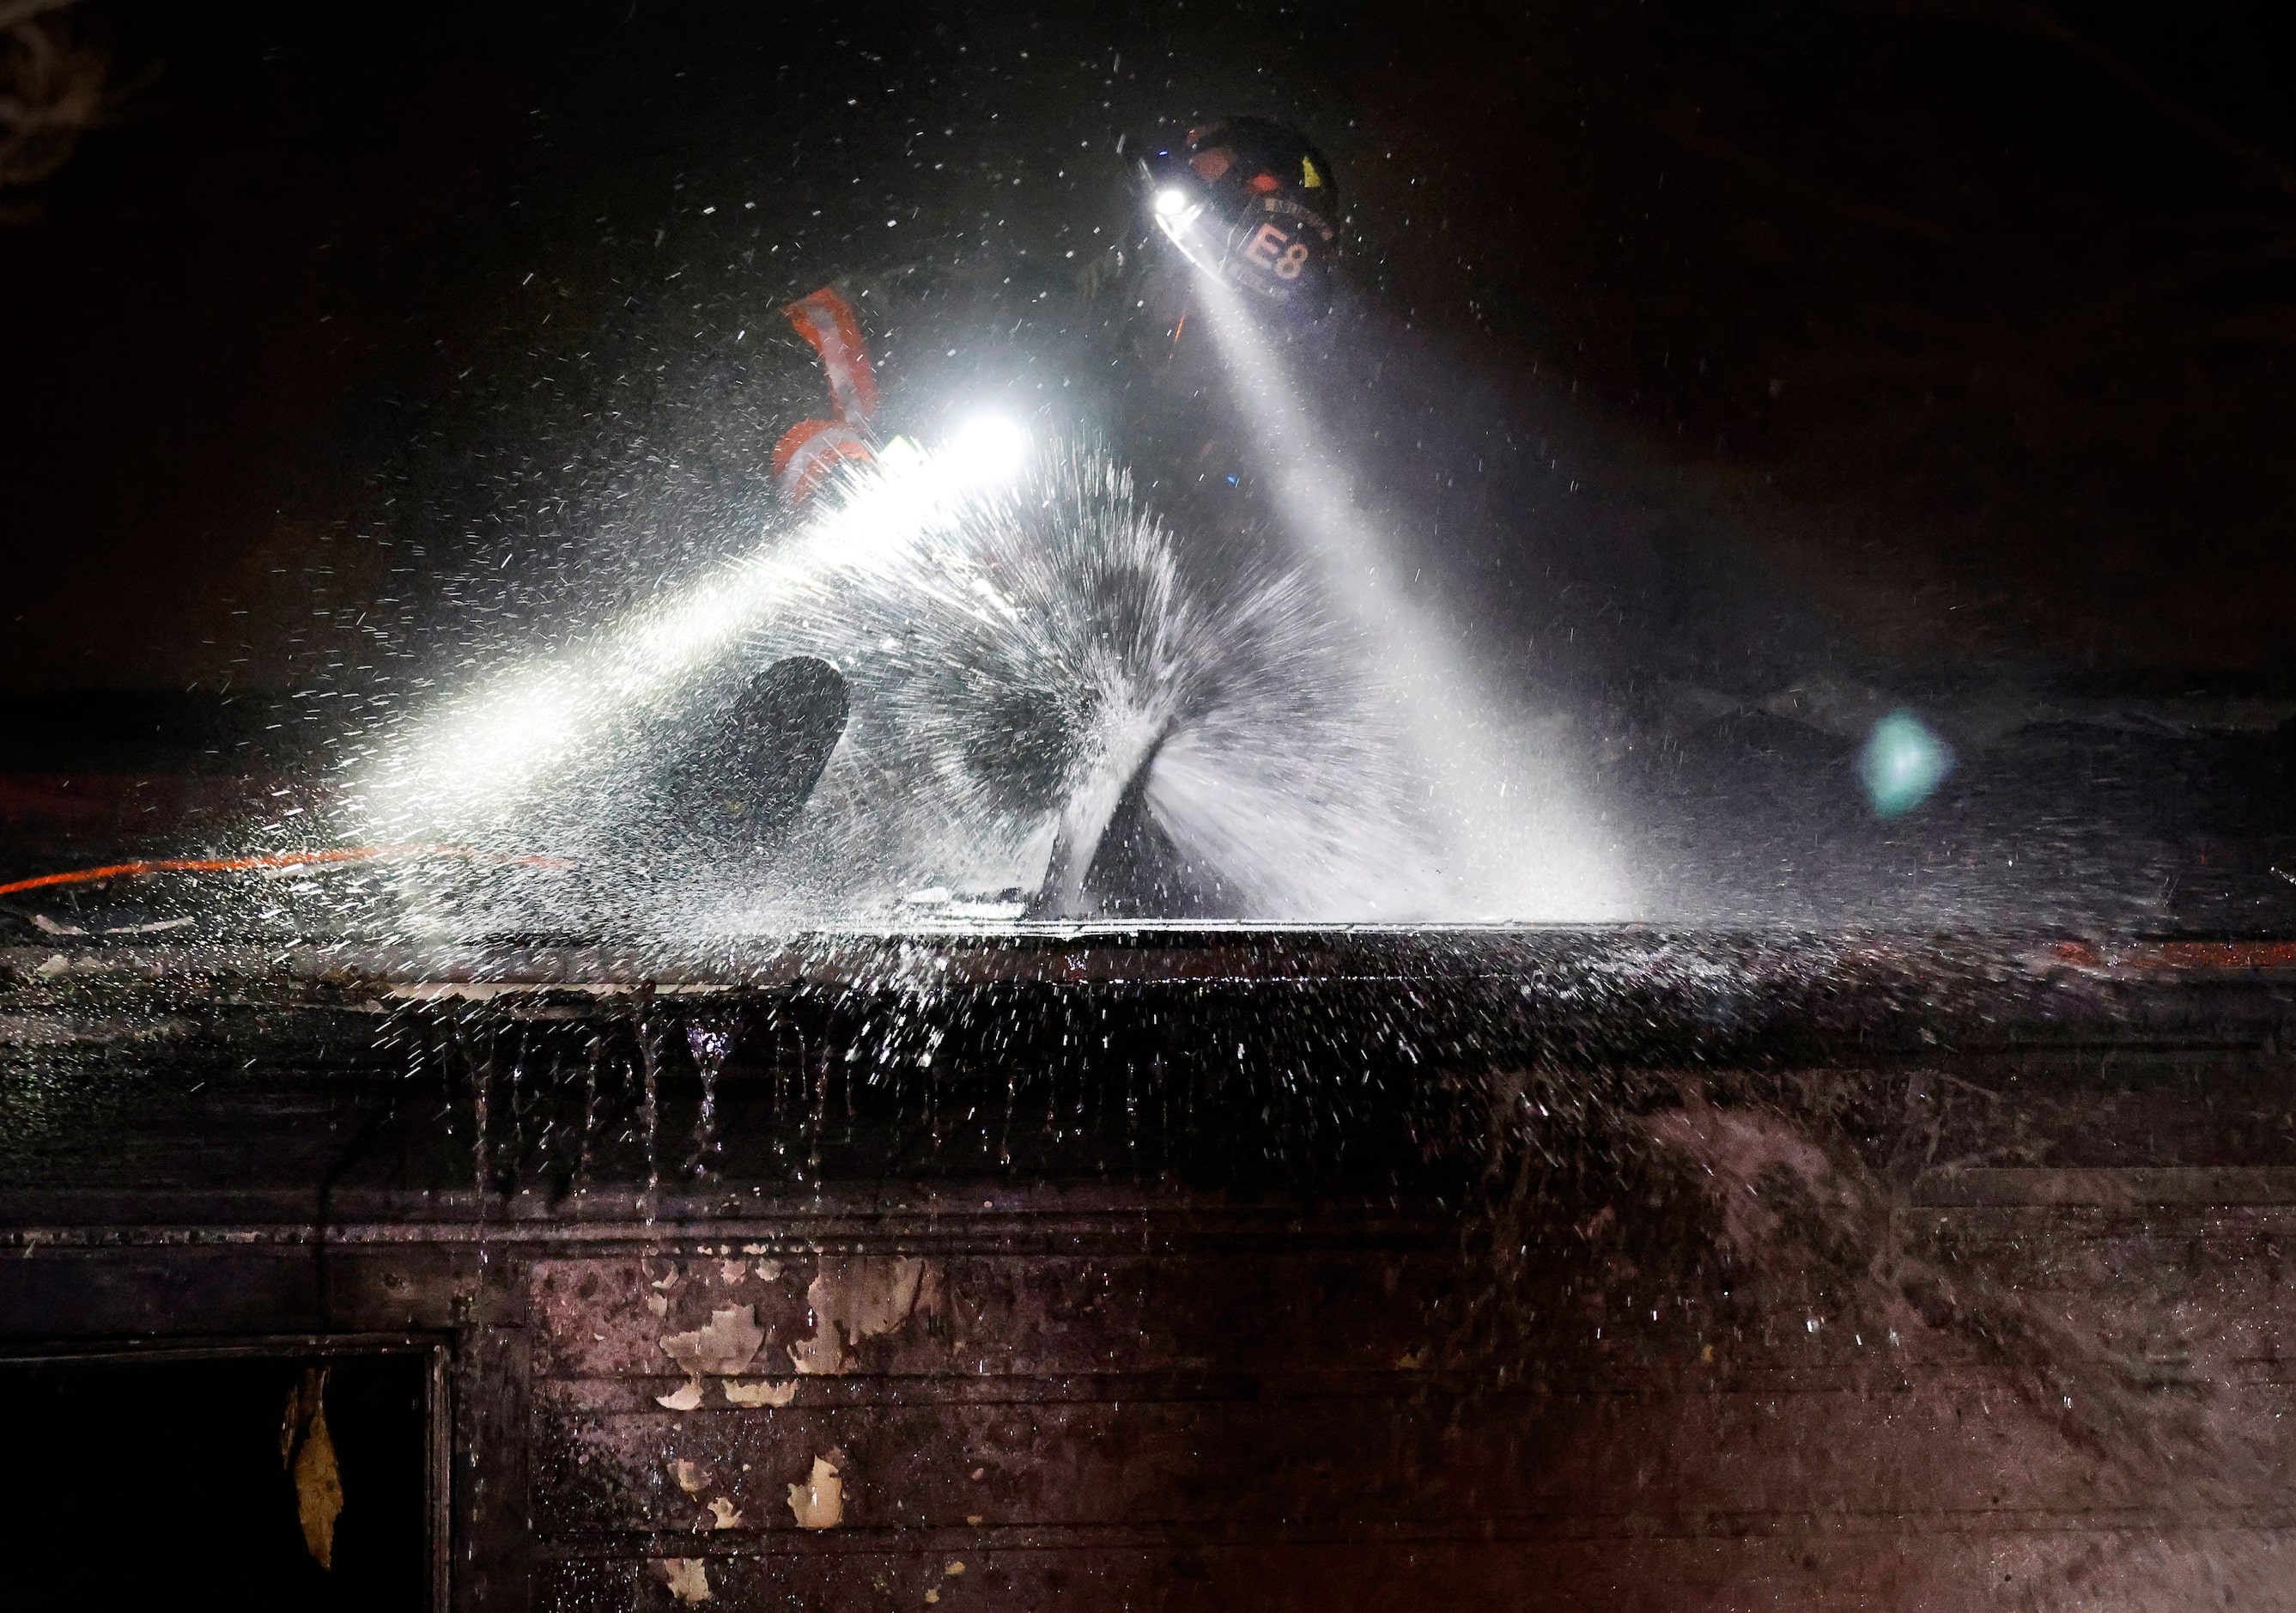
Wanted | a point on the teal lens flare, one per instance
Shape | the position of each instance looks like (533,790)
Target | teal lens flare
(1902,765)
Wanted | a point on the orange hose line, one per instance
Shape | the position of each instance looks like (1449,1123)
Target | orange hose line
(273,860)
(2182,955)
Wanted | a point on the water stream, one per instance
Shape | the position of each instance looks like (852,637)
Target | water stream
(1029,664)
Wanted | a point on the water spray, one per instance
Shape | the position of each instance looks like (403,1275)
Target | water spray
(1517,843)
(1026,650)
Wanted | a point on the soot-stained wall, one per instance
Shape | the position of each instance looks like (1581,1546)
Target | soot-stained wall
(1904,1279)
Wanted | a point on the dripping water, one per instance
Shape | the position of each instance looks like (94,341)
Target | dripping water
(1012,1097)
(780,1100)
(817,1118)
(845,1080)
(521,1106)
(649,1106)
(585,1154)
(710,1046)
(1131,1112)
(479,1074)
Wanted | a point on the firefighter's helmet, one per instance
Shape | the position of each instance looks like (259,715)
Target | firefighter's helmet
(1251,201)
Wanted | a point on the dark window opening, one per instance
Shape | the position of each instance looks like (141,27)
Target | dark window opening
(219,1481)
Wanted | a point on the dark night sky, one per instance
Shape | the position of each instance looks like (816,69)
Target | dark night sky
(1969,328)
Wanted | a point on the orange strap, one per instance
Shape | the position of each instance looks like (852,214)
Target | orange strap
(828,322)
(810,450)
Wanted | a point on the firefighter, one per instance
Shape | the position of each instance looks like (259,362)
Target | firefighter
(813,449)
(1248,200)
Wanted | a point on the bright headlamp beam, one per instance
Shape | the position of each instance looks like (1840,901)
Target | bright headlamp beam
(988,448)
(478,754)
(1522,868)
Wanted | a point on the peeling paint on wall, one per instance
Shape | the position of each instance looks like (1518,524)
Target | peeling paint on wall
(721,1349)
(819,1503)
(686,1577)
(864,1297)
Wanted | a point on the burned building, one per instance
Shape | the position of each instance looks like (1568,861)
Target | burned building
(1109,1270)
(1145,807)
